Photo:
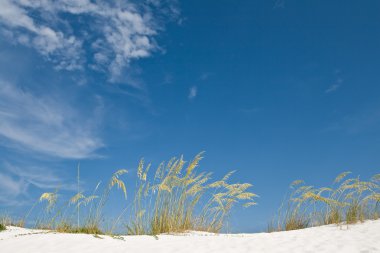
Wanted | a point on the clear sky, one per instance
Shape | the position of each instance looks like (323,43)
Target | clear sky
(278,90)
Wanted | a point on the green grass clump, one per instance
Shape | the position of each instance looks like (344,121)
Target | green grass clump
(6,220)
(347,200)
(2,227)
(178,198)
(70,228)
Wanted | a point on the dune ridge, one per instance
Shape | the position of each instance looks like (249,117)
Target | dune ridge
(361,237)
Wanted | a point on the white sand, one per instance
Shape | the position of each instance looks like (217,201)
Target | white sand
(360,238)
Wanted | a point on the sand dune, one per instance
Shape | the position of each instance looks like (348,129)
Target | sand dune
(360,238)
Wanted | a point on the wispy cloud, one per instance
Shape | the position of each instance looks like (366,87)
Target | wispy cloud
(335,86)
(106,35)
(20,27)
(250,110)
(204,76)
(332,88)
(168,78)
(11,188)
(16,182)
(279,4)
(364,120)
(193,92)
(45,124)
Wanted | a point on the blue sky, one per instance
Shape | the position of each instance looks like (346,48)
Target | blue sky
(278,90)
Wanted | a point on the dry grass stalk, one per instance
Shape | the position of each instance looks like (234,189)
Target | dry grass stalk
(61,217)
(348,200)
(179,199)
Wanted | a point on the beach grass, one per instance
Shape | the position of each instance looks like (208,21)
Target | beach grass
(347,200)
(79,214)
(70,228)
(178,198)
(7,220)
(175,198)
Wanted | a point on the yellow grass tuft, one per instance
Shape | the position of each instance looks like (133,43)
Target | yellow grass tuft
(119,183)
(50,197)
(179,198)
(348,200)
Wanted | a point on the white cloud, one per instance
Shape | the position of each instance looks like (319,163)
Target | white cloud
(193,92)
(361,121)
(279,4)
(10,187)
(334,86)
(106,35)
(21,28)
(205,76)
(16,181)
(251,110)
(43,124)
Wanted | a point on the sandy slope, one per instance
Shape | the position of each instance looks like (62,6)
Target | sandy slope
(360,238)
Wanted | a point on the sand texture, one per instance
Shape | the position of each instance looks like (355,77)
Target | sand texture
(359,238)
